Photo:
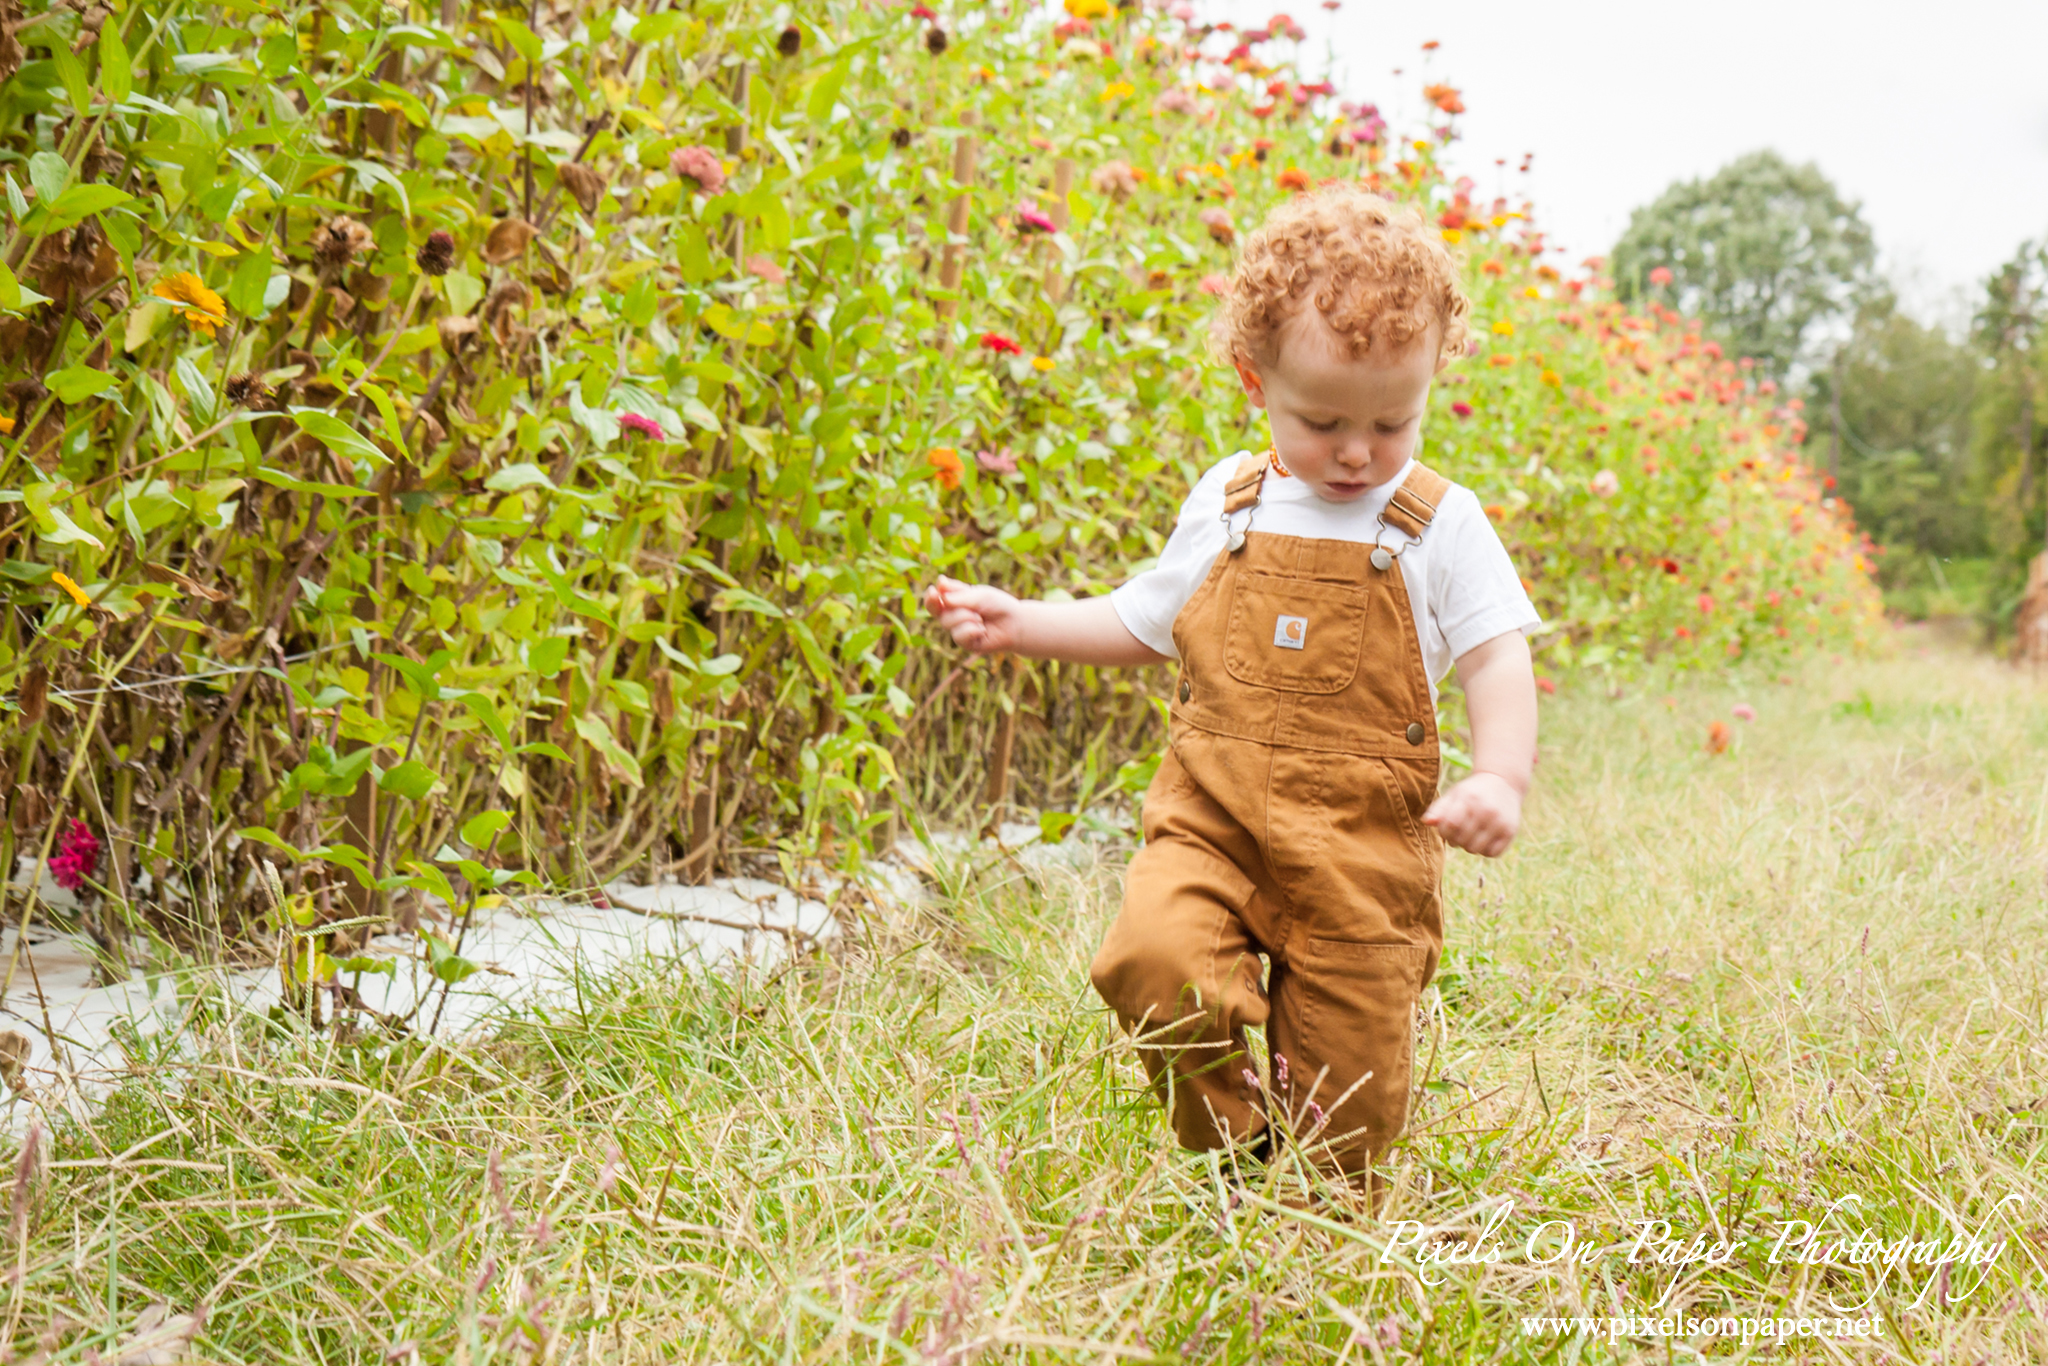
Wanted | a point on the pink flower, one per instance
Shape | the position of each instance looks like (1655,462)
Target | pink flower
(646,426)
(1462,408)
(1002,460)
(1031,220)
(1605,484)
(700,164)
(1218,285)
(1661,276)
(77,857)
(1744,712)
(1000,344)
(766,269)
(1175,101)
(1183,12)
(923,12)
(1219,224)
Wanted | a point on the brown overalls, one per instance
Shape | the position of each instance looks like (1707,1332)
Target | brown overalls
(1286,820)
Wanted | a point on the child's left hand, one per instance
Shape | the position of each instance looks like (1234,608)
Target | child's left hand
(1479,815)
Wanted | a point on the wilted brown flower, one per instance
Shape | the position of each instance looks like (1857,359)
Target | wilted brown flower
(900,139)
(790,41)
(587,185)
(1117,179)
(506,240)
(935,40)
(1219,224)
(456,332)
(247,390)
(436,255)
(338,242)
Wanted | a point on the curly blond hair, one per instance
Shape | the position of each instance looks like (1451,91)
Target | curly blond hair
(1378,275)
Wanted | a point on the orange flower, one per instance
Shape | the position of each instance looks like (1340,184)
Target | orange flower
(1444,97)
(191,300)
(1494,268)
(1718,736)
(1293,178)
(945,461)
(69,585)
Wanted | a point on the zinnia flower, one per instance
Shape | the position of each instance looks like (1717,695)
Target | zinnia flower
(1444,97)
(1117,179)
(1718,736)
(1605,484)
(1002,460)
(339,241)
(1293,178)
(1661,276)
(437,254)
(1503,328)
(191,300)
(1000,344)
(1461,408)
(1744,712)
(700,164)
(1031,220)
(1175,101)
(766,269)
(1043,363)
(70,586)
(1547,685)
(641,423)
(77,857)
(1218,285)
(925,12)
(1219,224)
(945,461)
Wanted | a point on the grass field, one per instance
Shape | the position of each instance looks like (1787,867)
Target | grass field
(1720,991)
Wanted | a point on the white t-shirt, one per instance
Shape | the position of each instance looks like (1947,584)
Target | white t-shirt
(1462,588)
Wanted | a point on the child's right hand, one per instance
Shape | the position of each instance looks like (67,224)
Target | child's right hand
(981,618)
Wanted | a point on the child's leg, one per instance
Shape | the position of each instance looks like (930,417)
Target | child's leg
(1180,965)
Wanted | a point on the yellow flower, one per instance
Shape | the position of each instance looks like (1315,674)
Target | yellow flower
(1088,9)
(1453,236)
(69,585)
(197,304)
(1421,146)
(1500,220)
(1042,363)
(1503,328)
(1550,377)
(7,425)
(1118,90)
(1531,292)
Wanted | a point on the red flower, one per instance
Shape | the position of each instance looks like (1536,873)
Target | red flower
(1547,685)
(77,857)
(1661,276)
(923,12)
(1000,344)
(1461,408)
(1031,220)
(1669,566)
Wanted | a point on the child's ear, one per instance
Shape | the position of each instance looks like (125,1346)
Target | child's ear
(1254,387)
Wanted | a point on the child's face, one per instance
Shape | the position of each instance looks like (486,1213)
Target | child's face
(1341,425)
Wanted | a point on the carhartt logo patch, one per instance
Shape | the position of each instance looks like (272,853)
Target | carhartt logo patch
(1290,633)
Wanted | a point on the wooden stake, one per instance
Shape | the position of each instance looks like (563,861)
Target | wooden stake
(735,145)
(1062,186)
(1005,747)
(952,262)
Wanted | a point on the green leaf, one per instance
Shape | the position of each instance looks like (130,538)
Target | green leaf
(117,74)
(1053,825)
(524,40)
(546,656)
(81,201)
(331,432)
(599,737)
(480,830)
(78,382)
(513,478)
(48,173)
(444,963)
(285,481)
(826,94)
(412,780)
(250,283)
(72,72)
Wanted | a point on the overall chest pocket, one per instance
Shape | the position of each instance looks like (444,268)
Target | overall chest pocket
(1295,635)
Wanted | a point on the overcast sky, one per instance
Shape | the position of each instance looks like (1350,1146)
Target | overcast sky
(1934,115)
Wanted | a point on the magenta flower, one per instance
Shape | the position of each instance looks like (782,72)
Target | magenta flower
(1033,221)
(77,857)
(1003,460)
(700,164)
(1462,408)
(646,426)
(1744,712)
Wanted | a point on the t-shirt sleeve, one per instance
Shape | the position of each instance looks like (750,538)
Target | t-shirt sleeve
(1148,602)
(1474,590)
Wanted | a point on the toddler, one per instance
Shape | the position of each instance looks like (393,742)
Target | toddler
(1312,595)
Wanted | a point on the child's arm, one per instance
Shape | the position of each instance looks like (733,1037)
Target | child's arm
(989,621)
(1481,813)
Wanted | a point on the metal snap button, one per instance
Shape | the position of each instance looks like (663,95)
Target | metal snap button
(1380,558)
(1186,690)
(1415,732)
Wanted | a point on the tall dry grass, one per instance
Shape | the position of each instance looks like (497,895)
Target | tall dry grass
(1719,991)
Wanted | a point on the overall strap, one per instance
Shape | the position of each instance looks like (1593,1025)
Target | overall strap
(1414,504)
(1242,491)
